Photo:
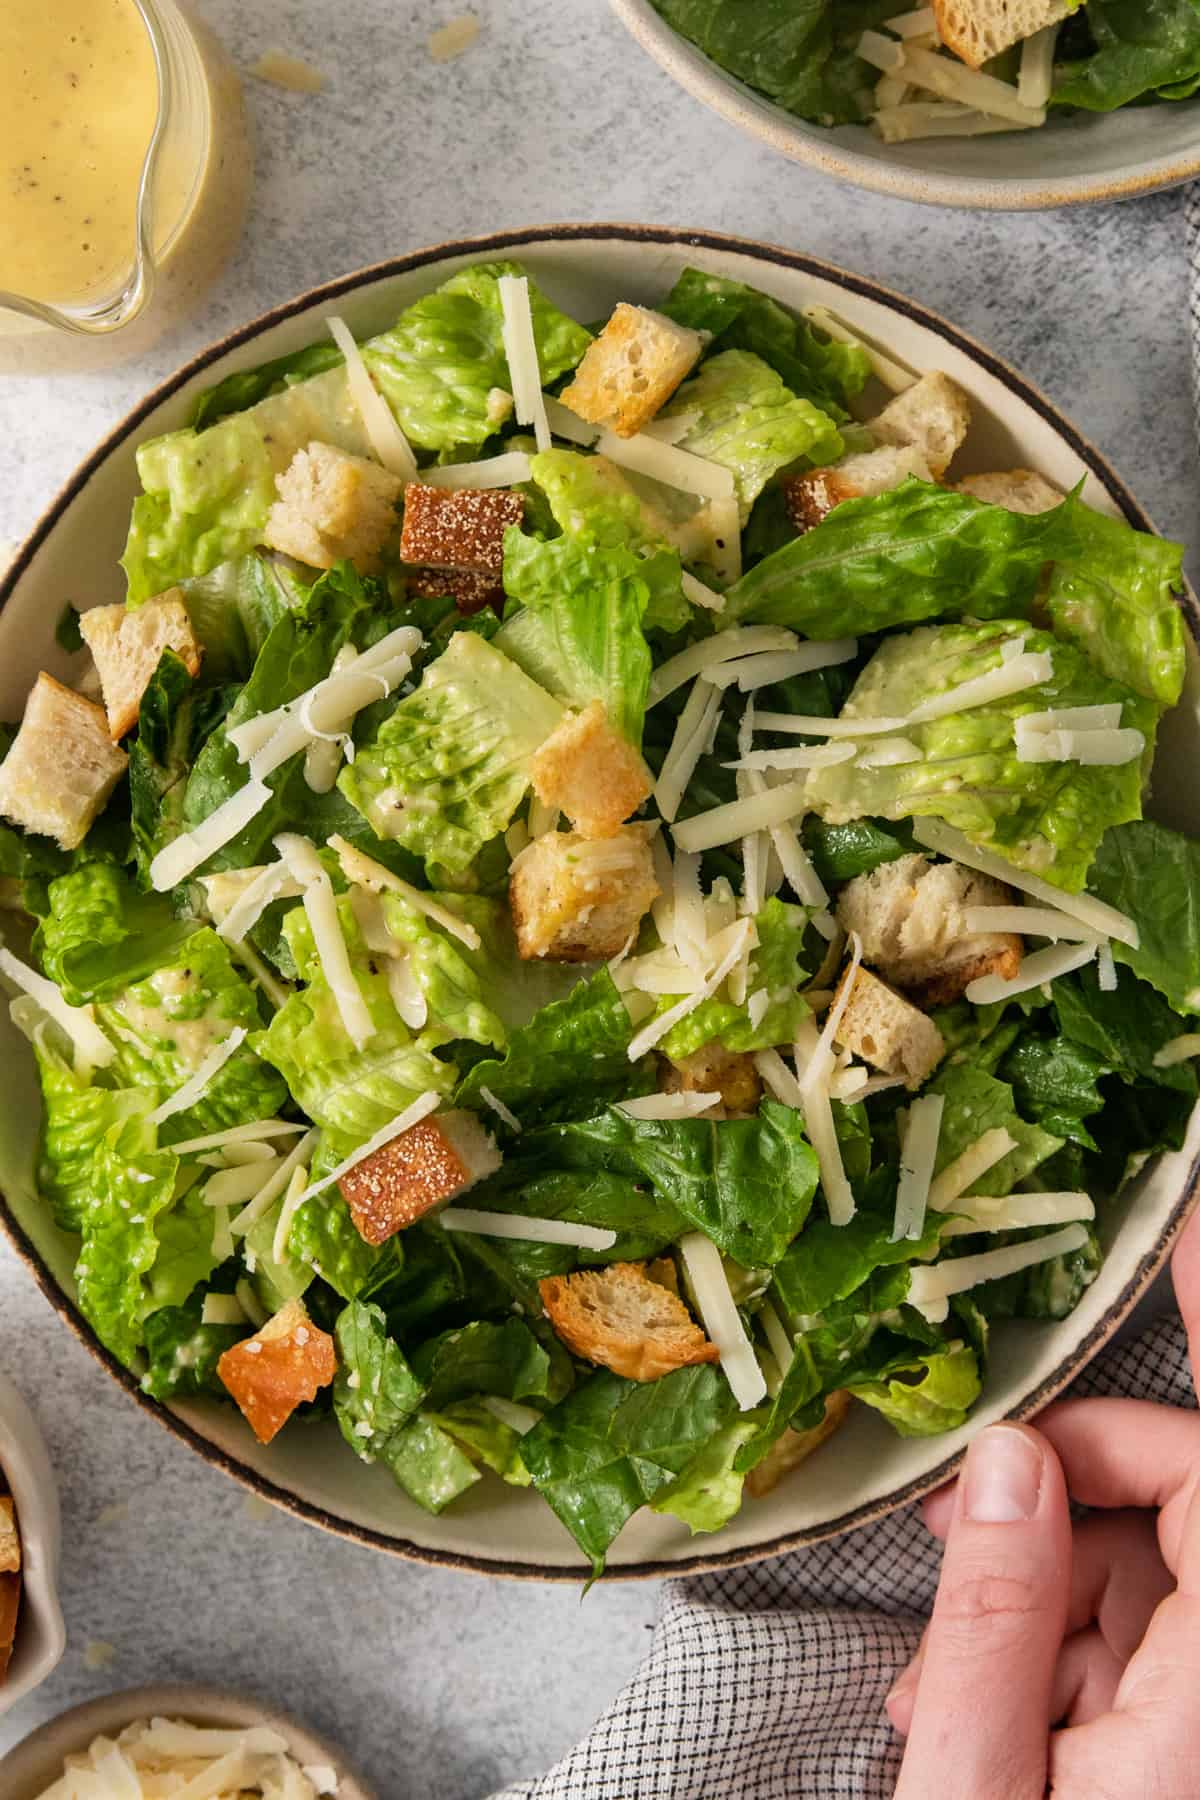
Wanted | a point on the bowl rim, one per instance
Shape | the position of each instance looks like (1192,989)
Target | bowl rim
(27,1468)
(760,118)
(194,1703)
(494,244)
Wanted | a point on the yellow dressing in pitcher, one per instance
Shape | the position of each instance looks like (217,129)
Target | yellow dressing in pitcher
(78,103)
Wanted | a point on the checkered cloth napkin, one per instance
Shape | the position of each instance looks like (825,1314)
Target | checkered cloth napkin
(768,1682)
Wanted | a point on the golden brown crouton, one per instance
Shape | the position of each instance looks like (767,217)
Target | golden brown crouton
(469,591)
(577,899)
(268,1375)
(62,766)
(794,1446)
(590,772)
(333,505)
(909,915)
(713,1069)
(425,1166)
(458,528)
(977,30)
(632,369)
(620,1318)
(887,1031)
(10,1541)
(1017,490)
(10,1606)
(811,497)
(932,416)
(127,645)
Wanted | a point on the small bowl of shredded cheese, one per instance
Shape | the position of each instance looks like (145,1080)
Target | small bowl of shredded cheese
(178,1743)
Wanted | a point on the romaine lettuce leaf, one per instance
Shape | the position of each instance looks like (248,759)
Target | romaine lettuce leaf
(247,387)
(375,1393)
(233,609)
(977,1102)
(484,1438)
(100,934)
(185,1250)
(132,1184)
(429,1465)
(1054,1081)
(484,1358)
(182,1353)
(1153,875)
(76,1118)
(575,1049)
(775,967)
(840,852)
(532,1183)
(454,978)
(740,318)
(276,1281)
(925,1395)
(1115,599)
(708,1492)
(175,722)
(829,1263)
(750,423)
(325,1238)
(1053,1289)
(1046,817)
(1138,49)
(439,362)
(580,634)
(612,1445)
(448,768)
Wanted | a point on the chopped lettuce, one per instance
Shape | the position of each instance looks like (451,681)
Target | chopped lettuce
(708,1492)
(77,1115)
(483,1437)
(100,934)
(580,633)
(1115,598)
(976,1102)
(448,768)
(1045,817)
(325,1238)
(233,608)
(574,1049)
(612,1445)
(925,1395)
(133,1183)
(1133,50)
(429,1465)
(774,969)
(750,422)
(830,1263)
(175,722)
(182,1352)
(375,1393)
(1153,874)
(453,978)
(484,1358)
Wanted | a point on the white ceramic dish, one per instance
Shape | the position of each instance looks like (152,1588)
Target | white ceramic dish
(1072,161)
(496,1529)
(29,1770)
(25,1462)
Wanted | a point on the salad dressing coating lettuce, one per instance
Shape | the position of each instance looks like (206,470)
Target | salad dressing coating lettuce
(1045,817)
(133,1183)
(749,422)
(448,768)
(207,493)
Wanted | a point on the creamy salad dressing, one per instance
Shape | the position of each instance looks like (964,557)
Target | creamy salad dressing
(192,1038)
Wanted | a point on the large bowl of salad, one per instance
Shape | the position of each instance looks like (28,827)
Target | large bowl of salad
(600,932)
(959,103)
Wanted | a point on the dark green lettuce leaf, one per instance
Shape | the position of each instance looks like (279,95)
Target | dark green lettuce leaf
(574,1049)
(175,722)
(1153,875)
(840,852)
(182,1352)
(1138,48)
(976,1102)
(246,387)
(485,1358)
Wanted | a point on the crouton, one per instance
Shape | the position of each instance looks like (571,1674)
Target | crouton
(458,528)
(10,1606)
(811,497)
(576,899)
(713,1069)
(332,505)
(10,1541)
(428,1164)
(269,1374)
(794,1446)
(470,591)
(977,30)
(909,915)
(590,772)
(1017,490)
(888,1031)
(932,416)
(620,1318)
(127,645)
(632,369)
(62,767)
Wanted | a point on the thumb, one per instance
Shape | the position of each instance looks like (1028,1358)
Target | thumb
(981,1717)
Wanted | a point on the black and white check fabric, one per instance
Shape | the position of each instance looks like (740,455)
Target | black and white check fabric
(768,1682)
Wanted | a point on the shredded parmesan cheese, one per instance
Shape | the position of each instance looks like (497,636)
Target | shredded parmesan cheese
(494,472)
(700,595)
(892,374)
(1029,921)
(750,672)
(1016,1212)
(196,1084)
(673,467)
(92,1049)
(1043,966)
(1036,76)
(498,1107)
(696,723)
(527,1230)
(724,646)
(918,1153)
(366,872)
(938,1281)
(186,852)
(274,1185)
(738,818)
(951,80)
(669,1106)
(389,443)
(1179,1049)
(1102,918)
(744,938)
(238,1134)
(287,1213)
(275,882)
(722,1321)
(967,1168)
(520,350)
(778,1079)
(328,939)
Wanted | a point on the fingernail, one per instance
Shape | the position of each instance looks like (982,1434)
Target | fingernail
(1002,1477)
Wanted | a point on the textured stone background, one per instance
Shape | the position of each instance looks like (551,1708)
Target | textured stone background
(446,1686)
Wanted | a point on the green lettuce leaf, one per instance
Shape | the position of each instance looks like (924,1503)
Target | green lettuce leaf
(182,1352)
(76,1118)
(233,609)
(247,387)
(750,423)
(976,1102)
(484,1358)
(740,318)
(278,1280)
(175,722)
(580,634)
(1046,817)
(775,966)
(926,1395)
(437,365)
(484,1438)
(829,1263)
(840,852)
(100,934)
(454,978)
(1054,1289)
(375,1393)
(185,1250)
(1153,875)
(429,1465)
(1116,600)
(575,1048)
(448,768)
(533,1183)
(708,1492)
(1055,1082)
(325,1238)
(612,1445)
(1136,49)
(133,1183)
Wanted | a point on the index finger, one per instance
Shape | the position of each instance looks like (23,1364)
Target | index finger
(1121,1453)
(1185,1276)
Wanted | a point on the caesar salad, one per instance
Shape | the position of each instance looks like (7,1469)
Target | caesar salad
(591,911)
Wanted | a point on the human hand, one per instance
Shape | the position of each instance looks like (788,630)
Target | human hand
(1059,1660)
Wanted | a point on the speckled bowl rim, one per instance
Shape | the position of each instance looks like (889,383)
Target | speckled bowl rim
(50,1743)
(760,118)
(500,244)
